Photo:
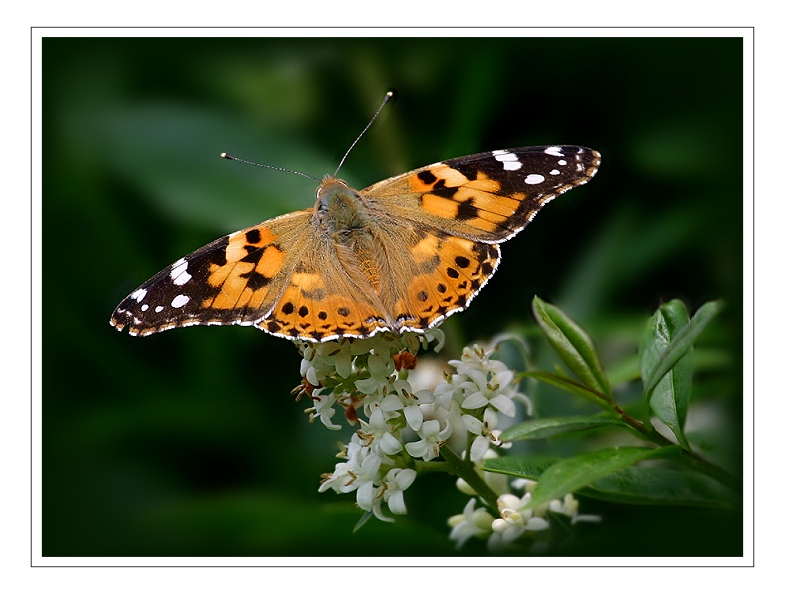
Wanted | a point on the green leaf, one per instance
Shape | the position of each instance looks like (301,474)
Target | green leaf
(552,426)
(661,486)
(633,485)
(572,344)
(680,344)
(571,474)
(525,466)
(362,521)
(570,385)
(670,397)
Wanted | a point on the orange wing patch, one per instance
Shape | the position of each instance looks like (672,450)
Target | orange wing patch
(449,280)
(323,303)
(245,278)
(476,202)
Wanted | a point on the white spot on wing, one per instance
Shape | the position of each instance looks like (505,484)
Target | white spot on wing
(159,308)
(562,162)
(555,172)
(180,300)
(556,151)
(145,307)
(139,294)
(508,159)
(179,273)
(534,179)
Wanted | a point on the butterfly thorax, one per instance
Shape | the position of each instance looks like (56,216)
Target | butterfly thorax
(339,208)
(342,215)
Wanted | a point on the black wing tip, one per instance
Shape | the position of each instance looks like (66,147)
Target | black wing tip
(121,319)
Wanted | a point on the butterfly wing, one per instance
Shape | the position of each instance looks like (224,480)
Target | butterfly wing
(435,275)
(236,279)
(486,197)
(283,276)
(448,218)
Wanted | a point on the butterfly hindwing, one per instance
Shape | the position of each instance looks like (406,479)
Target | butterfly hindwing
(326,296)
(447,284)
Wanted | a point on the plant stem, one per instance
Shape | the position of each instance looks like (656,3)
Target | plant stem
(709,469)
(687,457)
(465,470)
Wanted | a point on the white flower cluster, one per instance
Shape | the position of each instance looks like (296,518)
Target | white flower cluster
(480,388)
(514,519)
(403,428)
(364,377)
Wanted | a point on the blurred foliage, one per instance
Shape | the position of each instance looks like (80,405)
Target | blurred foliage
(188,442)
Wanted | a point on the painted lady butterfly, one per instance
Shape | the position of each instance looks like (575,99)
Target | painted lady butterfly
(400,255)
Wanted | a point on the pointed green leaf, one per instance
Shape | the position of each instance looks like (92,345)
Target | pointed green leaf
(680,344)
(571,474)
(661,486)
(362,521)
(633,485)
(572,344)
(542,428)
(670,397)
(570,385)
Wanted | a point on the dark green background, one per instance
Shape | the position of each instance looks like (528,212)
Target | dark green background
(188,442)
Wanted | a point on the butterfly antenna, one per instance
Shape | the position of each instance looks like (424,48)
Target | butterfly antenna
(387,97)
(233,158)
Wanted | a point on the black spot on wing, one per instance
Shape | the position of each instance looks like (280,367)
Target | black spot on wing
(467,211)
(253,236)
(443,191)
(426,177)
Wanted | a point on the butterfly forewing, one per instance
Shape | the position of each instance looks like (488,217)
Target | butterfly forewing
(488,196)
(236,279)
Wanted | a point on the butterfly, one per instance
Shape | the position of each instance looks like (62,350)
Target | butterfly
(400,255)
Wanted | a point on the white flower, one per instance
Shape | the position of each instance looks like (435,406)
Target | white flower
(485,430)
(491,388)
(449,391)
(359,472)
(522,484)
(395,483)
(480,382)
(431,437)
(470,523)
(434,335)
(513,521)
(475,358)
(323,360)
(376,434)
(381,368)
(322,408)
(569,507)
(390,491)
(410,403)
